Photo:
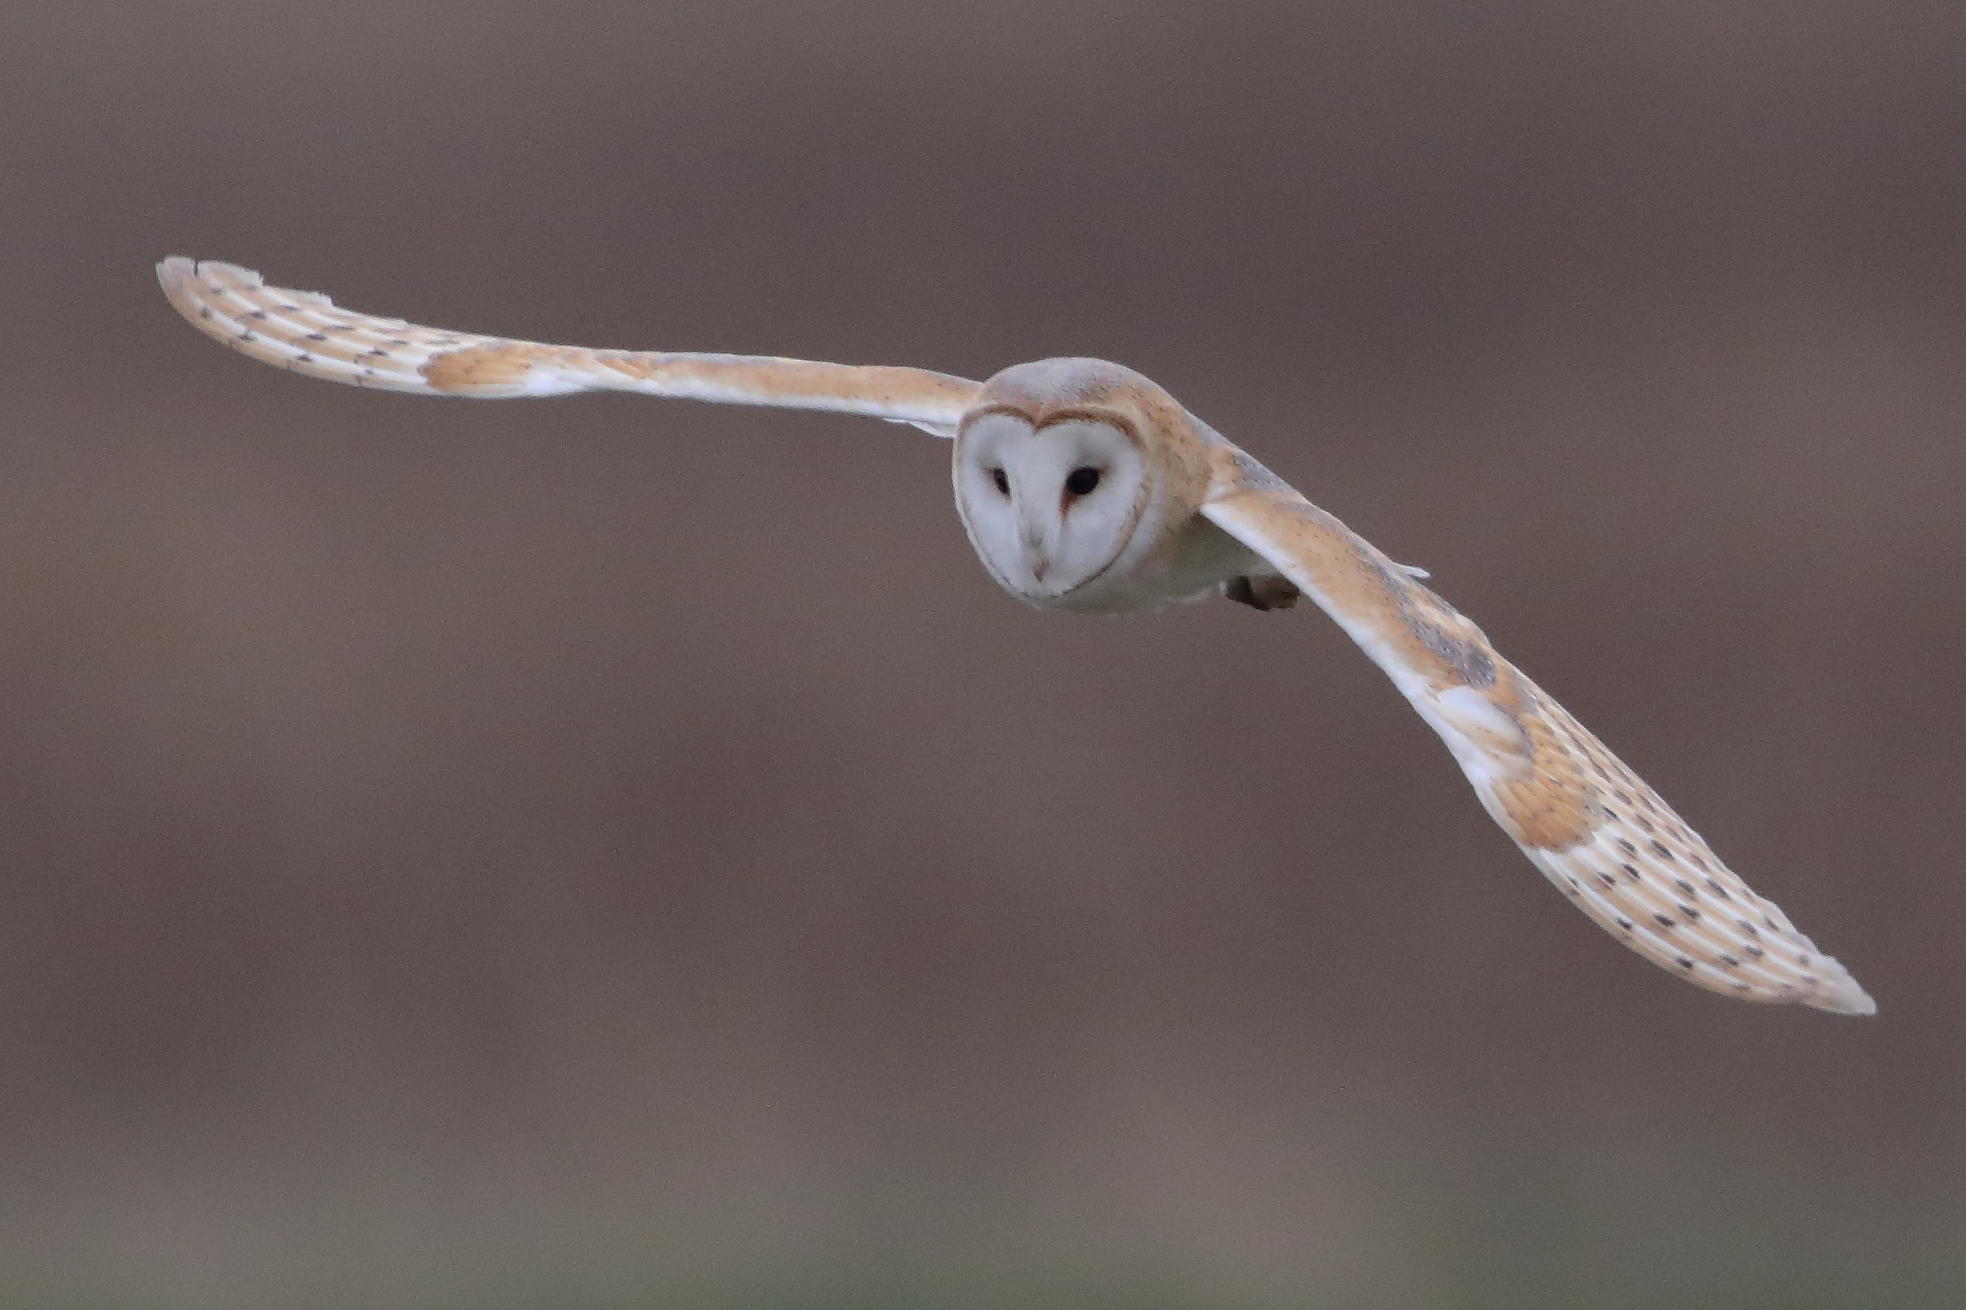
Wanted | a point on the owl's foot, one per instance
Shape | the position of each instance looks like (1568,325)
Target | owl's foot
(1266,592)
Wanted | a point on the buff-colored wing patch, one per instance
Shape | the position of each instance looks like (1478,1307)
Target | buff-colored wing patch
(1597,832)
(305,332)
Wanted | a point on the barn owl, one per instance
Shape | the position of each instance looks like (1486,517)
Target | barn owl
(1084,486)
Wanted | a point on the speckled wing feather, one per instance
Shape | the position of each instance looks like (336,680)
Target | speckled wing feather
(306,332)
(1597,832)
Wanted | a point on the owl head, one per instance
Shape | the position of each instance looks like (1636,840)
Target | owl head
(1069,473)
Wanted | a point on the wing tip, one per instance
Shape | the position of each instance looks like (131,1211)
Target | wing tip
(174,271)
(1844,996)
(191,285)
(177,274)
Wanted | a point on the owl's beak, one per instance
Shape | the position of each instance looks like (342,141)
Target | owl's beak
(1036,558)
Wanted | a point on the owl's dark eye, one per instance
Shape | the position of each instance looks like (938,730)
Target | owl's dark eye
(1003,482)
(1082,481)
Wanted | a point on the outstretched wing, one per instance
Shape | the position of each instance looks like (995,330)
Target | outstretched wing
(306,332)
(1596,831)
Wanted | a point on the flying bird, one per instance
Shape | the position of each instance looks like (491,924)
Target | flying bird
(1084,486)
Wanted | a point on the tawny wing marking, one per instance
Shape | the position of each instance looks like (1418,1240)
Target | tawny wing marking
(1596,831)
(306,332)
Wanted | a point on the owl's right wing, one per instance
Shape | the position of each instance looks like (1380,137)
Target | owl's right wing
(305,332)
(1581,815)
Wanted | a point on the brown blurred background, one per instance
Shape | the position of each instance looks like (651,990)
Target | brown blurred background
(607,853)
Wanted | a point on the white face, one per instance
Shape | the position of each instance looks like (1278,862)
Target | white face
(1049,511)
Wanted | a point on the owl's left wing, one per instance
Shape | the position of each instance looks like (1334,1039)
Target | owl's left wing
(1583,818)
(305,332)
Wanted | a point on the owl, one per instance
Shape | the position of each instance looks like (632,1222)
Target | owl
(1084,486)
